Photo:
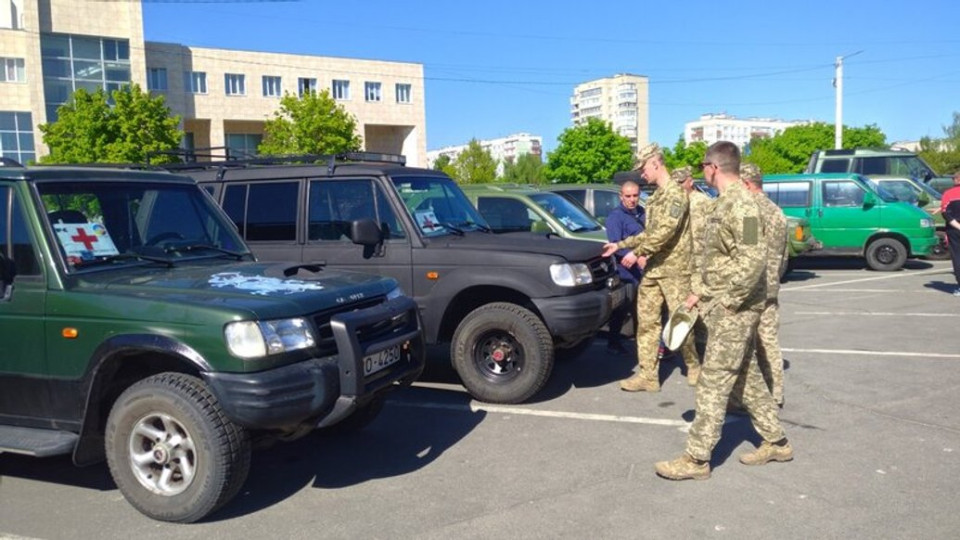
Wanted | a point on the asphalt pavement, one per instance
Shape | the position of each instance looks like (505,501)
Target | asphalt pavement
(872,392)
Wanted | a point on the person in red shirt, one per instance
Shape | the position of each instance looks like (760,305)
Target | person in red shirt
(950,206)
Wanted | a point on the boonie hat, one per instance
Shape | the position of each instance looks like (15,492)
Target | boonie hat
(681,174)
(646,153)
(749,171)
(678,327)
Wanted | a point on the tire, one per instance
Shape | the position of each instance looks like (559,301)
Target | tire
(180,412)
(358,419)
(518,338)
(886,254)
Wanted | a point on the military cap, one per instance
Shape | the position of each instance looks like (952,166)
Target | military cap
(645,153)
(749,171)
(678,326)
(681,174)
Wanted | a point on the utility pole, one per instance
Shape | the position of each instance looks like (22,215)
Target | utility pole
(838,84)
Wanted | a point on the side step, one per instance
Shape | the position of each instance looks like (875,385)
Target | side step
(36,442)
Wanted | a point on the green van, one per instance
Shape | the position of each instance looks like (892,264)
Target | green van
(850,215)
(513,208)
(913,191)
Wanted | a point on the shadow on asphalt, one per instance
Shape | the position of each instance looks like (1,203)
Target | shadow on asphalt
(823,262)
(941,286)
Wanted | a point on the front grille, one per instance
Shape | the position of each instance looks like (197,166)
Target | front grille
(602,268)
(326,344)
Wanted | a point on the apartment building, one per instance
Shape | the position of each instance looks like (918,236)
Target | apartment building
(622,100)
(503,150)
(711,128)
(49,48)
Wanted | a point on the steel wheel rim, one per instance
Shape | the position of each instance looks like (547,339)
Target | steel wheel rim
(886,254)
(498,355)
(163,454)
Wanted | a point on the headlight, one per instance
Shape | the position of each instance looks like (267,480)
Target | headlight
(924,223)
(254,339)
(396,292)
(570,275)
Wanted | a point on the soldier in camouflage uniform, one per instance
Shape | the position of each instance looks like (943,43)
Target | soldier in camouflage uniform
(769,356)
(665,244)
(701,205)
(731,286)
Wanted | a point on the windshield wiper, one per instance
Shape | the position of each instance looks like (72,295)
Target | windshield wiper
(173,248)
(479,227)
(453,228)
(129,256)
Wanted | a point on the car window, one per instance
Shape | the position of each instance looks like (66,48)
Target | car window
(579,195)
(873,165)
(834,165)
(789,194)
(902,190)
(267,211)
(15,241)
(333,205)
(504,214)
(437,205)
(604,202)
(570,214)
(841,193)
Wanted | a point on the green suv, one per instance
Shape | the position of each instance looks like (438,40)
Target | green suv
(513,208)
(137,327)
(869,162)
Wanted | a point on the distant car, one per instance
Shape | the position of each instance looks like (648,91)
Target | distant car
(869,162)
(913,191)
(513,208)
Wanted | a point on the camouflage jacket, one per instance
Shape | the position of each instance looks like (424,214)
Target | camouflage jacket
(732,265)
(701,206)
(775,237)
(666,240)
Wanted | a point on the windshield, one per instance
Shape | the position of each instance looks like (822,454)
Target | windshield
(438,206)
(571,215)
(915,167)
(884,194)
(102,223)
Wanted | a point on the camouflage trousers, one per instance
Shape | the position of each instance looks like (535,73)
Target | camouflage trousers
(768,354)
(731,340)
(652,294)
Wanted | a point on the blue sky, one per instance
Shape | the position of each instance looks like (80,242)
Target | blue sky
(497,67)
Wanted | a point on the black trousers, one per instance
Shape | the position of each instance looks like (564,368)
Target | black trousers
(626,311)
(953,241)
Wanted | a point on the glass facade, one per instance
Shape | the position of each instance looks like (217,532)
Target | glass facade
(90,62)
(16,136)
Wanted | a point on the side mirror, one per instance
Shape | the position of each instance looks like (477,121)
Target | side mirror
(923,199)
(365,232)
(869,199)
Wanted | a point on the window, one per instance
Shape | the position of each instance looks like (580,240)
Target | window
(604,202)
(273,217)
(842,193)
(234,84)
(16,136)
(157,79)
(333,205)
(70,62)
(789,194)
(403,93)
(195,82)
(371,91)
(243,144)
(271,86)
(341,90)
(20,249)
(834,165)
(13,70)
(306,86)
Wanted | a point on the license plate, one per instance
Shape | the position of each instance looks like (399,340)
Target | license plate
(619,295)
(381,360)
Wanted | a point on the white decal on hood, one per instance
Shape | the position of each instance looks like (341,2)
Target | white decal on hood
(262,285)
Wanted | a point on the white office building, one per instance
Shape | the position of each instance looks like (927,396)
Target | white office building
(711,128)
(504,150)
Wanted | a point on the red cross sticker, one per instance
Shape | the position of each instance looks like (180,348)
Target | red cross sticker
(84,238)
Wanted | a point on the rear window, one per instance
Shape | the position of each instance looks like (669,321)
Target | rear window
(834,165)
(789,194)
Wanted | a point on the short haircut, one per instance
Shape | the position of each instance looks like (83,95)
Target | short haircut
(629,183)
(725,155)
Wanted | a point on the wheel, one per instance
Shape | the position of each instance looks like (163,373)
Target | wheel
(358,419)
(886,254)
(172,453)
(502,352)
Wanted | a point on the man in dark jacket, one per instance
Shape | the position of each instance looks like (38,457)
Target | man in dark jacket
(950,206)
(624,221)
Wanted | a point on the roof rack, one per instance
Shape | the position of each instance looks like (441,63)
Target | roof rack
(332,160)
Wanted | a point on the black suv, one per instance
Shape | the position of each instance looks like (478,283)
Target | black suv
(503,302)
(136,326)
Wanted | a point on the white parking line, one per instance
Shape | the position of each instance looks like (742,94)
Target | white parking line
(475,407)
(831,291)
(876,314)
(871,353)
(861,280)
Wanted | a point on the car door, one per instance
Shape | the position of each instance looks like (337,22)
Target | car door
(266,215)
(842,220)
(22,304)
(331,205)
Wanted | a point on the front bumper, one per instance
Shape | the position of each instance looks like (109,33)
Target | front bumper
(323,391)
(573,318)
(921,246)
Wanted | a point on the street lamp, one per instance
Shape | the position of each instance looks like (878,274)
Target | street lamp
(838,84)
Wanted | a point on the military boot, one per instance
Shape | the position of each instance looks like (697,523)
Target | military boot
(639,383)
(768,452)
(693,375)
(684,468)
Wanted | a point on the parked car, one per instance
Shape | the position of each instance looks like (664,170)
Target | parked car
(912,191)
(849,215)
(503,303)
(512,208)
(869,162)
(137,327)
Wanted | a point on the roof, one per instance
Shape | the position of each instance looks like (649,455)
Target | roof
(88,173)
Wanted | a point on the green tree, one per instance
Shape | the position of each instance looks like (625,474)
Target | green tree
(312,124)
(442,162)
(790,151)
(526,169)
(683,154)
(589,152)
(474,165)
(943,155)
(89,130)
